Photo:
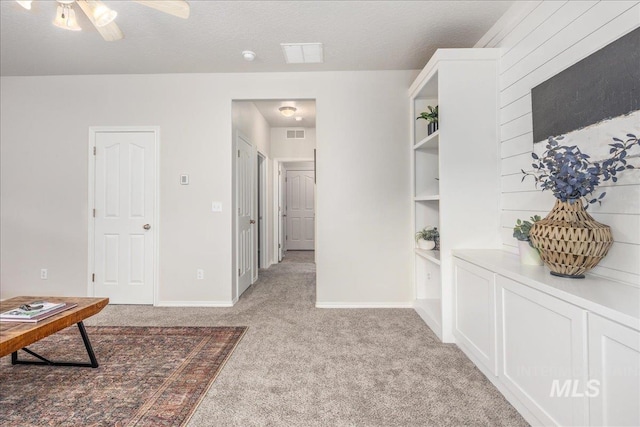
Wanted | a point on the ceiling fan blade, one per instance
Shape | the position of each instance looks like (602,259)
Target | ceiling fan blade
(179,8)
(110,32)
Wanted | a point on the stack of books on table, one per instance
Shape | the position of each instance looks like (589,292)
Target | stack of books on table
(34,311)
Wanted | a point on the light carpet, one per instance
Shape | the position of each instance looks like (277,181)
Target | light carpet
(302,366)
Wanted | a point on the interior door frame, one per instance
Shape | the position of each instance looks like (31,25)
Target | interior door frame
(279,164)
(287,197)
(254,275)
(261,176)
(93,130)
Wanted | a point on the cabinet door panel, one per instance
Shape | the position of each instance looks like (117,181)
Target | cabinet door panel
(614,369)
(474,317)
(542,344)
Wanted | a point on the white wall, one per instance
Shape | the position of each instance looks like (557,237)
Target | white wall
(249,122)
(283,148)
(363,186)
(541,39)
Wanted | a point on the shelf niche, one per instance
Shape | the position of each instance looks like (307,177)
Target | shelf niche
(455,173)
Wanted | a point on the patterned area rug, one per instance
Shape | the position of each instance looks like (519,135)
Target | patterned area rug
(148,376)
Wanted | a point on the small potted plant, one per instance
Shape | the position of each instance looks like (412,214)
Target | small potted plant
(529,255)
(431,116)
(427,238)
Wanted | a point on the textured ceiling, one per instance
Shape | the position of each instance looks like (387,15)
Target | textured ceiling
(357,35)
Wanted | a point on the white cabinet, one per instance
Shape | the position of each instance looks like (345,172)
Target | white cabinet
(614,372)
(454,170)
(542,347)
(562,351)
(474,323)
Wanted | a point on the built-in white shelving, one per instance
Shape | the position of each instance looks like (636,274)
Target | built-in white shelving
(433,256)
(455,171)
(430,309)
(431,198)
(429,143)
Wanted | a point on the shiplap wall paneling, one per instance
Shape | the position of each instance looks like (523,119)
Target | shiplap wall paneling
(539,39)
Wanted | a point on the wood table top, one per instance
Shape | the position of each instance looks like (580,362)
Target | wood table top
(16,335)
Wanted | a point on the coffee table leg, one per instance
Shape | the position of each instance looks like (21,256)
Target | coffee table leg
(87,345)
(45,361)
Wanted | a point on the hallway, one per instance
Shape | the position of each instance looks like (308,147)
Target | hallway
(302,366)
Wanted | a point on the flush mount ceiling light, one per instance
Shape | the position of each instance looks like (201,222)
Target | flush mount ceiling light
(287,111)
(302,53)
(102,18)
(248,55)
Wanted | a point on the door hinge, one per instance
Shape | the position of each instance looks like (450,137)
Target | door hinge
(286,238)
(286,179)
(93,277)
(279,246)
(238,272)
(94,151)
(238,153)
(94,212)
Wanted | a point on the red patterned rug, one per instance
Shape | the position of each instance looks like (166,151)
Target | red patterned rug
(148,376)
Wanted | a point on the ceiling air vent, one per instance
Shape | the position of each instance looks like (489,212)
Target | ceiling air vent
(295,134)
(302,53)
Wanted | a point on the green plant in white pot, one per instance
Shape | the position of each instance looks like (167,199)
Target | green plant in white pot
(427,238)
(529,255)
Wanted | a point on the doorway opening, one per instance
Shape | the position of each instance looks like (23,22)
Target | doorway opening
(298,206)
(273,180)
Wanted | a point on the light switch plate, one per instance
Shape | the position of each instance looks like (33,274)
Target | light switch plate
(216,206)
(184,179)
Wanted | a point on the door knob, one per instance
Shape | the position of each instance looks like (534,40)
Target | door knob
(146,226)
(252,221)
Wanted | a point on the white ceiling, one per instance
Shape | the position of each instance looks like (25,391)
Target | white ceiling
(357,35)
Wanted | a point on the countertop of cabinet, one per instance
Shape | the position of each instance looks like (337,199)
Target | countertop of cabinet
(614,300)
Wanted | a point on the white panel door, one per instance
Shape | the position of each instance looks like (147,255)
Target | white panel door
(614,373)
(300,210)
(542,345)
(246,162)
(125,202)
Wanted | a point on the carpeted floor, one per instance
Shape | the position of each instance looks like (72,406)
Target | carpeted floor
(148,376)
(299,256)
(302,366)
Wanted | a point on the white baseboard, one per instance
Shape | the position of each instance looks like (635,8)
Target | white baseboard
(194,304)
(364,304)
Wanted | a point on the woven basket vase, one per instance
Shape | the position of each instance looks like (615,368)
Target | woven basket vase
(570,241)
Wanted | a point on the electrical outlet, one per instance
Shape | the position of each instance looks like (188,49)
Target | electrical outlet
(429,275)
(199,274)
(44,274)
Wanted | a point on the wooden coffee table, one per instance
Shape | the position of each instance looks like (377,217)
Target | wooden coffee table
(16,336)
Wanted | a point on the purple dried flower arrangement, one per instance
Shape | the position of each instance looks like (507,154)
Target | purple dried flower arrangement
(571,175)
